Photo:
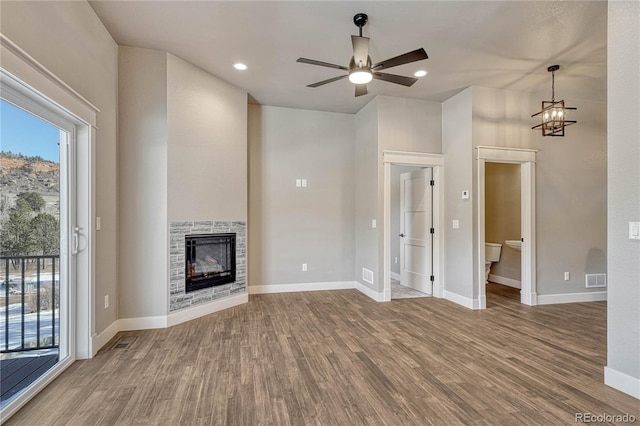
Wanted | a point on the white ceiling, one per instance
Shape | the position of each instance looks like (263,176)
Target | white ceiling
(506,45)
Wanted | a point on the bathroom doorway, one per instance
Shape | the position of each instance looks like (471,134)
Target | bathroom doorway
(502,226)
(522,162)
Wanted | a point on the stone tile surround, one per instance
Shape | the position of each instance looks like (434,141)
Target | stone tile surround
(178,298)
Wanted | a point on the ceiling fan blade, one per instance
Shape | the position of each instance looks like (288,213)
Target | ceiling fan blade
(407,58)
(392,78)
(322,64)
(360,50)
(323,82)
(361,89)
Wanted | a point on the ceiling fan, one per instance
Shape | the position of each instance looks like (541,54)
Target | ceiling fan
(360,70)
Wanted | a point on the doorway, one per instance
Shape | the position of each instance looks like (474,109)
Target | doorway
(524,159)
(411,240)
(503,230)
(415,161)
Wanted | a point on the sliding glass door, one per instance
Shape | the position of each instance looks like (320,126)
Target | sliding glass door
(38,243)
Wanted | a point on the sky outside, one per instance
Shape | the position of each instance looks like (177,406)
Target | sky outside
(23,133)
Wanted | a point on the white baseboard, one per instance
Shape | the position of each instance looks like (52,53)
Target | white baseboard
(148,323)
(288,288)
(375,295)
(461,300)
(198,311)
(99,340)
(622,382)
(505,281)
(550,299)
(396,276)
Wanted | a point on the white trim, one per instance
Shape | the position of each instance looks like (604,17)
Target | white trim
(461,300)
(396,276)
(413,158)
(189,314)
(24,66)
(99,340)
(505,281)
(422,159)
(368,291)
(551,299)
(142,323)
(506,155)
(622,382)
(287,288)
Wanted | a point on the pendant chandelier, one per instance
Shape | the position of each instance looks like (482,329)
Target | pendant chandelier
(554,113)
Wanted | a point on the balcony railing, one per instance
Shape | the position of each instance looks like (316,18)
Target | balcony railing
(29,316)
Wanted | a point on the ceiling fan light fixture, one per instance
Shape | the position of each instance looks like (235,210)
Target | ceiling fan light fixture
(240,66)
(420,73)
(360,76)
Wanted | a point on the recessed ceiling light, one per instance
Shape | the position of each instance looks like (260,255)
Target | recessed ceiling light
(420,73)
(240,66)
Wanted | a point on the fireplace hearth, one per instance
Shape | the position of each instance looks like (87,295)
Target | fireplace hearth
(210,260)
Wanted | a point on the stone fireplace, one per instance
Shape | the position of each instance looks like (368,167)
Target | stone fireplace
(212,278)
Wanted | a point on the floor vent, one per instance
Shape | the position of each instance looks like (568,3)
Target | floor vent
(367,276)
(596,280)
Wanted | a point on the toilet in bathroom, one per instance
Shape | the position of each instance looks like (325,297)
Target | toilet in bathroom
(491,254)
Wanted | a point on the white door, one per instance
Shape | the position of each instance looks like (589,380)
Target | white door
(416,230)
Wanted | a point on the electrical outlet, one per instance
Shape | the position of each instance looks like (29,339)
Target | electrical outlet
(374,224)
(304,267)
(106,301)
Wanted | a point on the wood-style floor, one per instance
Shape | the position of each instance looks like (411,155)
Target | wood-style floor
(338,357)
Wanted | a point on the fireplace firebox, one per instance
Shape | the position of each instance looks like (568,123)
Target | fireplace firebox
(210,260)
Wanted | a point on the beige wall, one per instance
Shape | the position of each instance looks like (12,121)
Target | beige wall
(623,306)
(288,225)
(143,183)
(366,191)
(207,145)
(69,40)
(456,146)
(502,215)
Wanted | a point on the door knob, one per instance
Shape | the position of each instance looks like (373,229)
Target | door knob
(401,235)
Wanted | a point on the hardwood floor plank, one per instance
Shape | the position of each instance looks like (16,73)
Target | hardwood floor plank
(337,357)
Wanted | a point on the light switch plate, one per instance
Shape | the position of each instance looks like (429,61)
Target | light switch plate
(634,230)
(304,183)
(455,224)
(374,224)
(298,183)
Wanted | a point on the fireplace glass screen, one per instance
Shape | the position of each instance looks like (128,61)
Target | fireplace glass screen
(210,260)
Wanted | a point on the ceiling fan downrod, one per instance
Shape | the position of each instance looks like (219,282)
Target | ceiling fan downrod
(360,20)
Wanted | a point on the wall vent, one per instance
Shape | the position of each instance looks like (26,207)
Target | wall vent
(595,280)
(367,276)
